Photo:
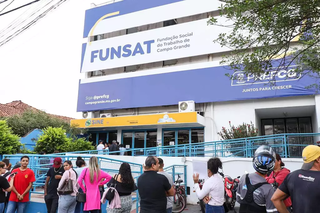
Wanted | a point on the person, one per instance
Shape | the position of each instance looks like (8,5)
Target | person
(67,202)
(213,188)
(302,185)
(22,184)
(81,164)
(5,186)
(170,179)
(124,184)
(254,193)
(54,176)
(122,149)
(106,148)
(7,167)
(100,147)
(92,177)
(153,188)
(277,176)
(114,148)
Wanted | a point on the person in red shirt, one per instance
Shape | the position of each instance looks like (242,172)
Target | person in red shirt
(277,176)
(21,186)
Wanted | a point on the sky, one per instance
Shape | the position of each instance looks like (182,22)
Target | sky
(41,67)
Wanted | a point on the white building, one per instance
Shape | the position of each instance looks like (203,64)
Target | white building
(153,77)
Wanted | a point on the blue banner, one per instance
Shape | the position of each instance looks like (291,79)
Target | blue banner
(200,85)
(124,7)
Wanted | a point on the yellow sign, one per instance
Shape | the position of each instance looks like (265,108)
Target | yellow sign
(138,120)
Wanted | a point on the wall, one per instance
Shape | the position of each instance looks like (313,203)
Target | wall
(231,166)
(30,139)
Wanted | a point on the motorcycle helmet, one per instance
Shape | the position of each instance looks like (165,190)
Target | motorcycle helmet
(264,159)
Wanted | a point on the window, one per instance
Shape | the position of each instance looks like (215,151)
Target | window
(286,125)
(170,62)
(182,136)
(131,68)
(170,22)
(132,30)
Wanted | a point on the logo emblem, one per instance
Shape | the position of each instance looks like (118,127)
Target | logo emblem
(26,176)
(88,123)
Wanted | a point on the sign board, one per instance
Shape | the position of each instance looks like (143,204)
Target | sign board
(200,85)
(172,42)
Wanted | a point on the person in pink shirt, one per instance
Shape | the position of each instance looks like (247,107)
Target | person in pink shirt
(92,177)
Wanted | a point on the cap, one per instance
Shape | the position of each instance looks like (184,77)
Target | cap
(57,162)
(310,154)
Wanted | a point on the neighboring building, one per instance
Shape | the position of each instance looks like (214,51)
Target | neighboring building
(153,77)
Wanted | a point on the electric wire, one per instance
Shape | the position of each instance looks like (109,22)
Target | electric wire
(6,6)
(17,8)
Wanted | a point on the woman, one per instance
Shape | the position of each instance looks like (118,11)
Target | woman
(67,203)
(277,176)
(81,164)
(5,186)
(213,188)
(125,186)
(92,177)
(7,168)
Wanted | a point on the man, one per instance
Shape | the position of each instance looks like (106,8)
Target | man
(21,186)
(100,147)
(170,179)
(302,185)
(153,188)
(114,148)
(254,193)
(54,175)
(5,186)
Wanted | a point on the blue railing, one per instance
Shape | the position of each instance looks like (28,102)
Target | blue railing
(287,145)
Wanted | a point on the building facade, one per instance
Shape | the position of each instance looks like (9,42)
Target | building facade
(153,77)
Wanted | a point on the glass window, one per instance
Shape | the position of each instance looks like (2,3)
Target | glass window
(197,135)
(127,139)
(103,137)
(267,127)
(183,137)
(139,140)
(279,126)
(112,136)
(151,138)
(305,125)
(292,125)
(168,136)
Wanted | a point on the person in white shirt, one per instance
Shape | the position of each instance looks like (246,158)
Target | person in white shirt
(212,191)
(100,147)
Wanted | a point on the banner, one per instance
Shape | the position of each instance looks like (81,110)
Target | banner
(177,41)
(137,120)
(200,85)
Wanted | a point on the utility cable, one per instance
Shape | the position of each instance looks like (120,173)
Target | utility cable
(6,6)
(1,14)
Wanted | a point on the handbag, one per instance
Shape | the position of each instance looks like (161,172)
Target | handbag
(67,187)
(112,188)
(81,196)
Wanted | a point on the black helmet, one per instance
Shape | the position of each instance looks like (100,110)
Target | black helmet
(263,160)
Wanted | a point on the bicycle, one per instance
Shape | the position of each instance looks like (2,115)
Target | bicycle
(179,198)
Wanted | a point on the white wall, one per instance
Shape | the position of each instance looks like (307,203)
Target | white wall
(231,166)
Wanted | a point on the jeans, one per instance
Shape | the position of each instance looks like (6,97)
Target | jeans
(1,207)
(169,210)
(67,204)
(214,209)
(19,206)
(51,203)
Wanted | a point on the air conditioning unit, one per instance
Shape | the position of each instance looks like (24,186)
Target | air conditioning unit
(86,115)
(186,106)
(105,115)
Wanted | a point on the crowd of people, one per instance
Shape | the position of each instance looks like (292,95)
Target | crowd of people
(114,148)
(271,188)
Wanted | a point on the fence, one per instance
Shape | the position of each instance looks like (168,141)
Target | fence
(287,145)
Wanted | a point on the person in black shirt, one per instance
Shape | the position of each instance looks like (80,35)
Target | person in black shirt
(54,175)
(4,186)
(153,188)
(303,185)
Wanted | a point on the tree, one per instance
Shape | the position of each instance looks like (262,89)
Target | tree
(55,139)
(9,143)
(30,120)
(267,29)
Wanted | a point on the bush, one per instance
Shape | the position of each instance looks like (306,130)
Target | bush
(80,144)
(9,143)
(242,131)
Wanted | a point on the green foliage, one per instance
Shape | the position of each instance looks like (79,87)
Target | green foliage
(56,140)
(266,29)
(52,139)
(242,131)
(9,143)
(30,120)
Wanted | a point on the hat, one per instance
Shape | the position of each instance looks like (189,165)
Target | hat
(310,154)
(57,162)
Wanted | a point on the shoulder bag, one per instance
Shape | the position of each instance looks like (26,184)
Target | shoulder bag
(67,187)
(112,189)
(81,196)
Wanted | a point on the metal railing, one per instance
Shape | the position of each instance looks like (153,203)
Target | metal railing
(287,145)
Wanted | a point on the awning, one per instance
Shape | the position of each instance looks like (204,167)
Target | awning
(169,119)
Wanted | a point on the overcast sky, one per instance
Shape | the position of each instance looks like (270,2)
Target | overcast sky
(41,66)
